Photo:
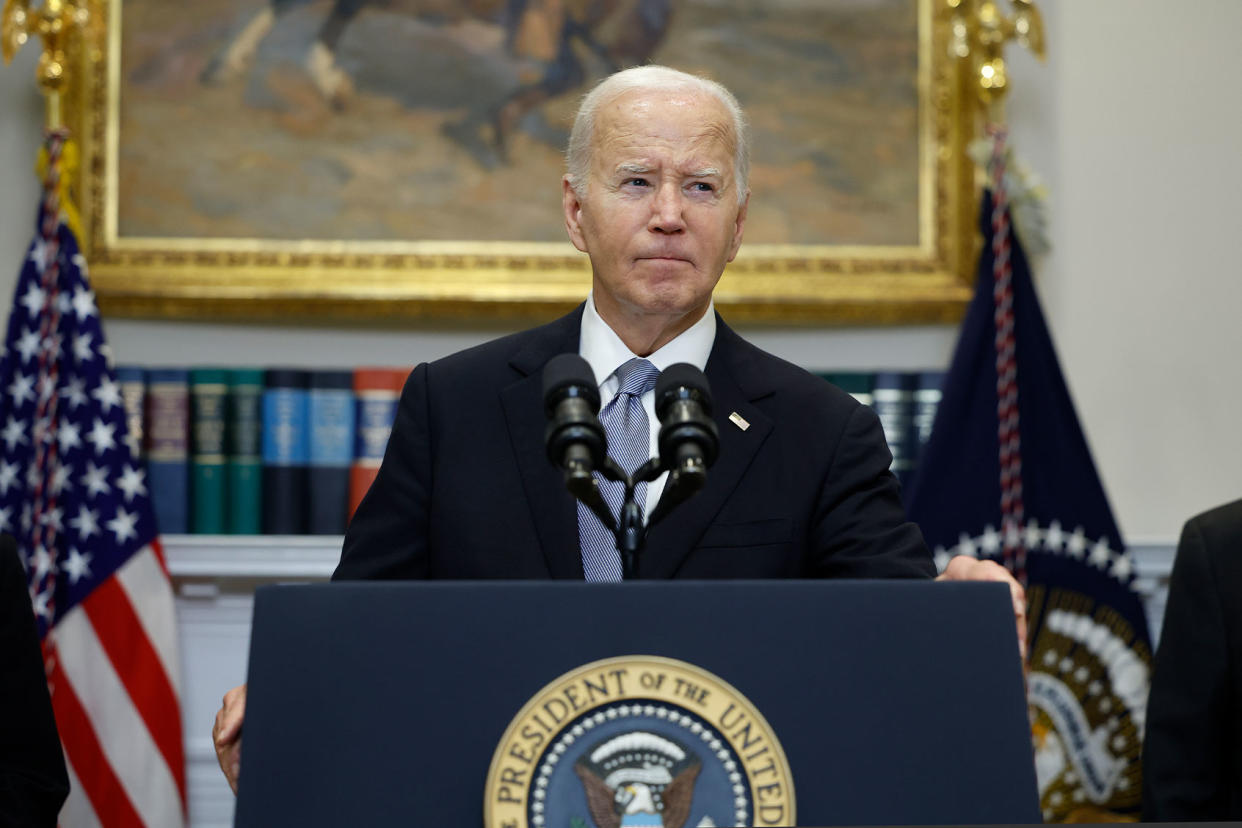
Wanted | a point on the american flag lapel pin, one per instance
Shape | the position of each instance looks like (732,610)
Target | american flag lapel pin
(739,421)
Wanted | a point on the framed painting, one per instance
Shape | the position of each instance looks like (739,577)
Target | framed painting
(377,160)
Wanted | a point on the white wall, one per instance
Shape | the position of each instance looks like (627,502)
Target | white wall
(21,114)
(1145,290)
(1134,124)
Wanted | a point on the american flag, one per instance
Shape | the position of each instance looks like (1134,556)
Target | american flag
(74,493)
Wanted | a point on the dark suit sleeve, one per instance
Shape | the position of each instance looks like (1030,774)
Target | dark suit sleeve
(387,537)
(860,529)
(1185,753)
(33,781)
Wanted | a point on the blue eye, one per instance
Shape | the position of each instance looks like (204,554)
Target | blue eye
(636,182)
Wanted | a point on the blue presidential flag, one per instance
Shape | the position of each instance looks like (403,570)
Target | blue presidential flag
(1007,475)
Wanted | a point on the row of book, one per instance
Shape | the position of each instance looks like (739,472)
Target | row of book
(906,403)
(259,451)
(289,451)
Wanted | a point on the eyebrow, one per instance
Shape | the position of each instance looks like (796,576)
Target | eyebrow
(642,169)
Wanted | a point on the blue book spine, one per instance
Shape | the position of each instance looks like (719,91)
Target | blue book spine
(286,452)
(133,382)
(331,415)
(926,402)
(168,447)
(893,400)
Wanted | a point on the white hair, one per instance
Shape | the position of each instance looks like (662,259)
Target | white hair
(658,78)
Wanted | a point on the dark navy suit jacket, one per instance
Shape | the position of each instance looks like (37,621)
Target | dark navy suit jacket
(466,489)
(1192,754)
(33,780)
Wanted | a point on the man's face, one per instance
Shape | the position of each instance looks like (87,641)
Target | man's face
(660,218)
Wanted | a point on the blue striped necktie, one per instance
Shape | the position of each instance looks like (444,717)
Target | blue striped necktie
(629,444)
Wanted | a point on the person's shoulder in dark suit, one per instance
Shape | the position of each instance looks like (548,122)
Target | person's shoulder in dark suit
(33,781)
(450,415)
(1192,755)
(827,444)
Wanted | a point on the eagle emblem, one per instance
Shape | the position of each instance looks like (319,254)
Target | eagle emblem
(638,742)
(638,780)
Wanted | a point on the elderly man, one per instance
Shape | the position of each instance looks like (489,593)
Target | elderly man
(656,195)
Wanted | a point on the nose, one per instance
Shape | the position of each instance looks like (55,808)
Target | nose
(666,210)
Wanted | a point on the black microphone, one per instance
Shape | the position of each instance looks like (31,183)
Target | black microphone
(689,440)
(576,440)
(574,434)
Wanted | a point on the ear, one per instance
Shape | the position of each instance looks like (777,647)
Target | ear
(738,224)
(573,214)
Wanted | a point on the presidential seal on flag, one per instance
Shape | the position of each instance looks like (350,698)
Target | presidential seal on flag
(1087,692)
(638,741)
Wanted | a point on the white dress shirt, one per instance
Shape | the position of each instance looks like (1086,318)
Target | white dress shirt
(605,352)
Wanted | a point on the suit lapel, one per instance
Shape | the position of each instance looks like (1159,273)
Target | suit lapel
(735,385)
(553,509)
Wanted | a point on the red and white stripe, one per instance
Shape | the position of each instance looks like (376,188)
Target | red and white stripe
(115,688)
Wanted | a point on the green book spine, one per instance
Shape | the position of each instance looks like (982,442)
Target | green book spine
(245,451)
(208,392)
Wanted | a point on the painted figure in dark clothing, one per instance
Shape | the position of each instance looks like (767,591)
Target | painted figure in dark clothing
(540,39)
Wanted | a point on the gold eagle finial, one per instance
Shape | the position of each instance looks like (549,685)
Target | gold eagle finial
(53,22)
(980,31)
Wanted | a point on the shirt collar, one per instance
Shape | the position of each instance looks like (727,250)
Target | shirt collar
(600,346)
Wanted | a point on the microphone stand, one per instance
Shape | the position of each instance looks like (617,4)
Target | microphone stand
(630,532)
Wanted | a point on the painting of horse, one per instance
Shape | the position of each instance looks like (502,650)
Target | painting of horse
(445,120)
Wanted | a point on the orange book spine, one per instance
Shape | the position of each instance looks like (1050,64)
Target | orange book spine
(376,392)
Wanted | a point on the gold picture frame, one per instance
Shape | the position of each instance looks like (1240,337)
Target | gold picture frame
(387,281)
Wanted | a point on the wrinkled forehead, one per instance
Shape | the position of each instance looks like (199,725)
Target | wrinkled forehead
(682,122)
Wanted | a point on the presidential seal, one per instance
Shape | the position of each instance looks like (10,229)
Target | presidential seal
(638,742)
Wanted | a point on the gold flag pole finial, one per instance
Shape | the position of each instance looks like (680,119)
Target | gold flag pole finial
(53,23)
(980,33)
